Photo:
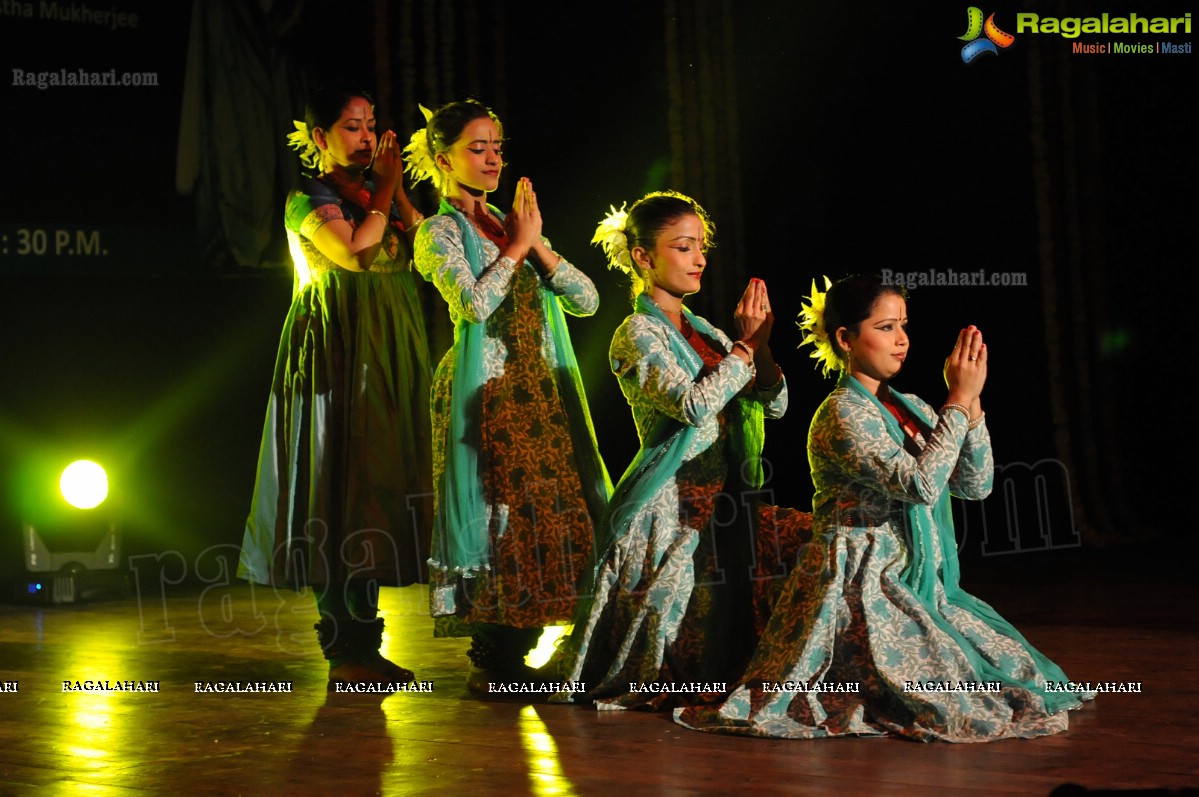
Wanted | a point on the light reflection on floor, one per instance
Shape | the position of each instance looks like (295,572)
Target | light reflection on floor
(545,771)
(94,719)
(447,741)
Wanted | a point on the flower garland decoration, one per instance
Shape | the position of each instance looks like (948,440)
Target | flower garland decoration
(610,236)
(811,322)
(300,140)
(418,158)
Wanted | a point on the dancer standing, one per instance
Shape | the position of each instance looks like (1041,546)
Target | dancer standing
(343,471)
(518,476)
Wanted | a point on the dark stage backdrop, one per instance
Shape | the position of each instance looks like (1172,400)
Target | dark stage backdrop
(144,269)
(91,96)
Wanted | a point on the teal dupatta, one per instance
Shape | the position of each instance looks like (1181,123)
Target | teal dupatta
(462,539)
(929,526)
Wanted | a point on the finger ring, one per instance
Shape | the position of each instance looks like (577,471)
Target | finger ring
(971,358)
(764,307)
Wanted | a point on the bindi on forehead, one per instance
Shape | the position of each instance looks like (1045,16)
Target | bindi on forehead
(482,130)
(357,109)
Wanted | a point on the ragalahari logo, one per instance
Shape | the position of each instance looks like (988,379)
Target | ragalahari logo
(975,27)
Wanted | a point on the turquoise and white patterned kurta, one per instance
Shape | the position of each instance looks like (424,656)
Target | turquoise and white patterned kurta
(674,588)
(440,258)
(851,648)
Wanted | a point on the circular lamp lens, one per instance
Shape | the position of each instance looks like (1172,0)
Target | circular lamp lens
(84,484)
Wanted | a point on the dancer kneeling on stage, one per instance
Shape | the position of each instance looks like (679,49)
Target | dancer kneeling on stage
(678,595)
(872,634)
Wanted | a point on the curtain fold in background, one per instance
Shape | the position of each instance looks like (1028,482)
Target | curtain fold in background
(1078,295)
(241,92)
(703,116)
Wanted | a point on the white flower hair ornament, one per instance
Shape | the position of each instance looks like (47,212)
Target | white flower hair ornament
(610,235)
(811,321)
(300,140)
(418,159)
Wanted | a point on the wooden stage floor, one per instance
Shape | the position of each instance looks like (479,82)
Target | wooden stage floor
(1101,617)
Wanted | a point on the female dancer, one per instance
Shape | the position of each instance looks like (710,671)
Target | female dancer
(872,634)
(344,464)
(517,474)
(674,604)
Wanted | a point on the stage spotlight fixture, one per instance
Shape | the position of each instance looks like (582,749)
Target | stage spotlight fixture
(77,547)
(84,484)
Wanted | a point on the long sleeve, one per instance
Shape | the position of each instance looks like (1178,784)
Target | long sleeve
(975,473)
(850,433)
(774,399)
(641,354)
(574,289)
(441,260)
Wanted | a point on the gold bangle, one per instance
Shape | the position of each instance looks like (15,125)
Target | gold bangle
(380,214)
(974,424)
(415,223)
(960,408)
(745,347)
